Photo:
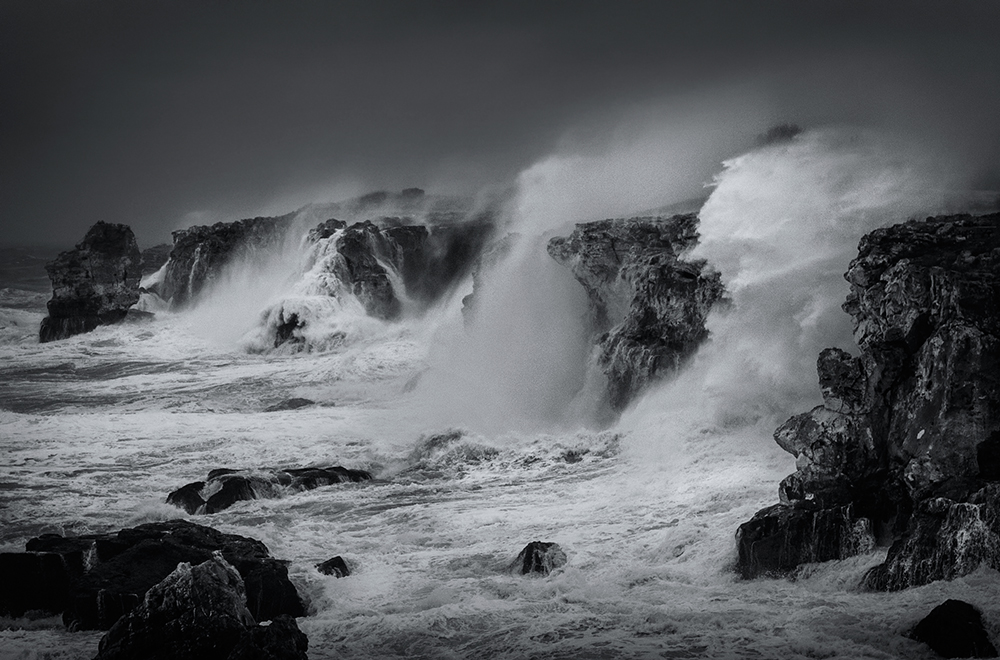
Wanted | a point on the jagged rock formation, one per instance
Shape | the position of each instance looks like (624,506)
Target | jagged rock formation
(224,487)
(904,450)
(95,579)
(93,284)
(649,305)
(199,612)
(200,253)
(335,566)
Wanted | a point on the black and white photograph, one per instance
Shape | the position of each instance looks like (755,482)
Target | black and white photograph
(514,330)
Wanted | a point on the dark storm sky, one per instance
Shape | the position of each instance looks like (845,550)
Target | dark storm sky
(166,114)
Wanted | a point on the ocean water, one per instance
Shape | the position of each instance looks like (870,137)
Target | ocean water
(95,431)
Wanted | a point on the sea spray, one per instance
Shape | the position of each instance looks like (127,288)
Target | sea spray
(781,225)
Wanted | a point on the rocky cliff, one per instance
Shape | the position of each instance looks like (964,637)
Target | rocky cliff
(93,284)
(905,450)
(200,253)
(649,304)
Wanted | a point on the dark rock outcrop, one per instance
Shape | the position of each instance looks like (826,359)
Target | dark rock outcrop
(93,284)
(903,449)
(154,257)
(649,305)
(335,566)
(200,253)
(954,629)
(539,557)
(199,612)
(95,579)
(224,487)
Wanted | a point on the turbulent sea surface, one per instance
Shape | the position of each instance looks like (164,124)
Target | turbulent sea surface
(95,431)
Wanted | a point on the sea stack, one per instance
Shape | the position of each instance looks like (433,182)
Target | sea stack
(93,284)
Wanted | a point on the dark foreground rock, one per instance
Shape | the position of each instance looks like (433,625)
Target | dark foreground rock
(954,629)
(200,612)
(903,451)
(649,305)
(224,487)
(539,557)
(93,284)
(335,566)
(290,404)
(95,579)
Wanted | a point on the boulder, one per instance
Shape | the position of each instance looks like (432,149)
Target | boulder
(199,612)
(224,487)
(954,629)
(538,557)
(290,404)
(95,579)
(906,441)
(335,566)
(93,284)
(648,305)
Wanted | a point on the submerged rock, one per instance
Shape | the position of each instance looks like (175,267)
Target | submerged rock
(649,305)
(290,404)
(539,557)
(906,440)
(224,487)
(93,284)
(199,612)
(95,579)
(954,629)
(335,566)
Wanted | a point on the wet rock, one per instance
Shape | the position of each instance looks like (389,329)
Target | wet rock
(780,538)
(335,566)
(95,579)
(224,487)
(906,441)
(195,612)
(279,640)
(539,557)
(200,612)
(93,284)
(954,629)
(35,582)
(200,254)
(648,305)
(290,404)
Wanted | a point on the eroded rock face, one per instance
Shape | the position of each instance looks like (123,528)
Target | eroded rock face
(908,434)
(224,487)
(200,253)
(93,284)
(199,612)
(95,579)
(649,305)
(539,557)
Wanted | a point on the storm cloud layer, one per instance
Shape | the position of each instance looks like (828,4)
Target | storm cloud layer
(167,114)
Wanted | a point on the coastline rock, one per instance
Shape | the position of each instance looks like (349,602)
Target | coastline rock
(199,612)
(200,253)
(335,566)
(538,557)
(93,284)
(224,487)
(95,579)
(954,629)
(648,304)
(906,440)
(290,404)
(153,258)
